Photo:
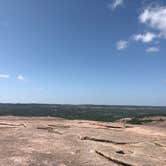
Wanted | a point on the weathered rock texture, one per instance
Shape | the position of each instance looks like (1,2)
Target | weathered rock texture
(58,142)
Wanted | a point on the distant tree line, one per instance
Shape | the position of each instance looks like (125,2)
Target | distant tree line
(85,112)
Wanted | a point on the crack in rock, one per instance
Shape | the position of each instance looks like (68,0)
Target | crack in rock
(104,140)
(10,124)
(113,159)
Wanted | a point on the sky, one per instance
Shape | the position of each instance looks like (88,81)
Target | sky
(83,51)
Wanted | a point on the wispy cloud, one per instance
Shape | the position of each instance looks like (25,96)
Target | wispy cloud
(20,77)
(116,3)
(145,38)
(155,18)
(121,44)
(4,76)
(152,49)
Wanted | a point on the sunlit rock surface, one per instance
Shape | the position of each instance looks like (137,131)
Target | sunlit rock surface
(36,141)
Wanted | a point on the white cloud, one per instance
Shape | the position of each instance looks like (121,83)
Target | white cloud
(145,38)
(152,49)
(4,76)
(20,77)
(155,18)
(116,3)
(121,44)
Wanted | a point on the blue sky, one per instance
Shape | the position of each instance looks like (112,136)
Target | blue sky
(83,51)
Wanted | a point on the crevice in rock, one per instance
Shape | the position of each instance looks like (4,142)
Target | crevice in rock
(159,144)
(59,126)
(119,162)
(103,140)
(10,124)
(120,152)
(108,126)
